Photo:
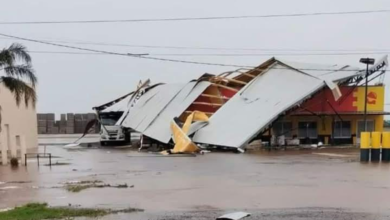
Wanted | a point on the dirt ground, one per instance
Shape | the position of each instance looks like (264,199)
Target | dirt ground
(292,184)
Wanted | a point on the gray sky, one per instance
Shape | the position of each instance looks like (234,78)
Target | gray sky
(76,83)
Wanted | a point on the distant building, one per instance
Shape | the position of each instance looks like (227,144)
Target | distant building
(17,122)
(69,123)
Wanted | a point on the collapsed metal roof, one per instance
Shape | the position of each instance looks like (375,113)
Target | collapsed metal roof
(119,104)
(241,103)
(276,87)
(158,106)
(123,103)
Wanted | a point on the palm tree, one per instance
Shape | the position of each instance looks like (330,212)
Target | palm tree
(17,74)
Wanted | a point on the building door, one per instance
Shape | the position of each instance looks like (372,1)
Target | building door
(360,128)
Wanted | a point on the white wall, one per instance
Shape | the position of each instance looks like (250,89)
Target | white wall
(22,120)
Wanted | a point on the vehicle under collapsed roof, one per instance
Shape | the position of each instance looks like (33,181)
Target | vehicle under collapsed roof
(241,104)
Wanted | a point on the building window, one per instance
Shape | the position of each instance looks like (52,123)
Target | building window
(282,128)
(342,129)
(307,129)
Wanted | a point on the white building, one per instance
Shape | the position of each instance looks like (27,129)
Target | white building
(18,123)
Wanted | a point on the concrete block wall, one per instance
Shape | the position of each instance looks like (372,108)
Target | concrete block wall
(42,123)
(69,123)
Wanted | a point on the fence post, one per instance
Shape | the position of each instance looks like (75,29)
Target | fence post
(376,146)
(365,147)
(386,147)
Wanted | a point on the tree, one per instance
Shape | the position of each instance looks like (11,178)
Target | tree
(17,74)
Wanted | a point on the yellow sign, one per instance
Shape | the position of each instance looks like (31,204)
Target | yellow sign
(375,98)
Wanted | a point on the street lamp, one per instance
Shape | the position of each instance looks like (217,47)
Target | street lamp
(367,61)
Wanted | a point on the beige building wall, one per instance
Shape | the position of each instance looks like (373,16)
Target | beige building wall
(22,120)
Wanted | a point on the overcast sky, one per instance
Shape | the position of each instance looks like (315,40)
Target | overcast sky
(76,83)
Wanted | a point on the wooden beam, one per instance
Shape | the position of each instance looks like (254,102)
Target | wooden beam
(214,96)
(225,87)
(206,103)
(247,74)
(231,80)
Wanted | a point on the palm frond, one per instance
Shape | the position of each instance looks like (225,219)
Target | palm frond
(19,52)
(13,53)
(20,90)
(22,71)
(6,58)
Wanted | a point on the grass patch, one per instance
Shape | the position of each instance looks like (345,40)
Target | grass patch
(38,211)
(128,210)
(76,188)
(18,182)
(82,185)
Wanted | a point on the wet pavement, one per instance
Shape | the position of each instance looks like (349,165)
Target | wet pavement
(292,184)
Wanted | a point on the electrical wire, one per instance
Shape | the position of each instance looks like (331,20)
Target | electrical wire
(224,54)
(195,18)
(78,42)
(123,54)
(142,56)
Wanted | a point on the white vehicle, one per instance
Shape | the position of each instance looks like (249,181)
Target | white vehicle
(108,116)
(109,131)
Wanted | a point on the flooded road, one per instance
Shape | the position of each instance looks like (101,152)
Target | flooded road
(212,183)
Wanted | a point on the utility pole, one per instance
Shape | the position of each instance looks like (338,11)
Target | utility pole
(366,61)
(365,99)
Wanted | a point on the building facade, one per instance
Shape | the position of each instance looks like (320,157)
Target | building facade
(17,122)
(322,118)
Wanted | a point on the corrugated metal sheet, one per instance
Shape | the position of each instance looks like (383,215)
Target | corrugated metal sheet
(262,101)
(156,108)
(325,72)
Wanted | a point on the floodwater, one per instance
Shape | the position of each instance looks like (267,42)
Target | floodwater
(214,183)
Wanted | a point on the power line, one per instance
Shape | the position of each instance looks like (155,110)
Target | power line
(78,42)
(221,54)
(195,18)
(123,54)
(152,58)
